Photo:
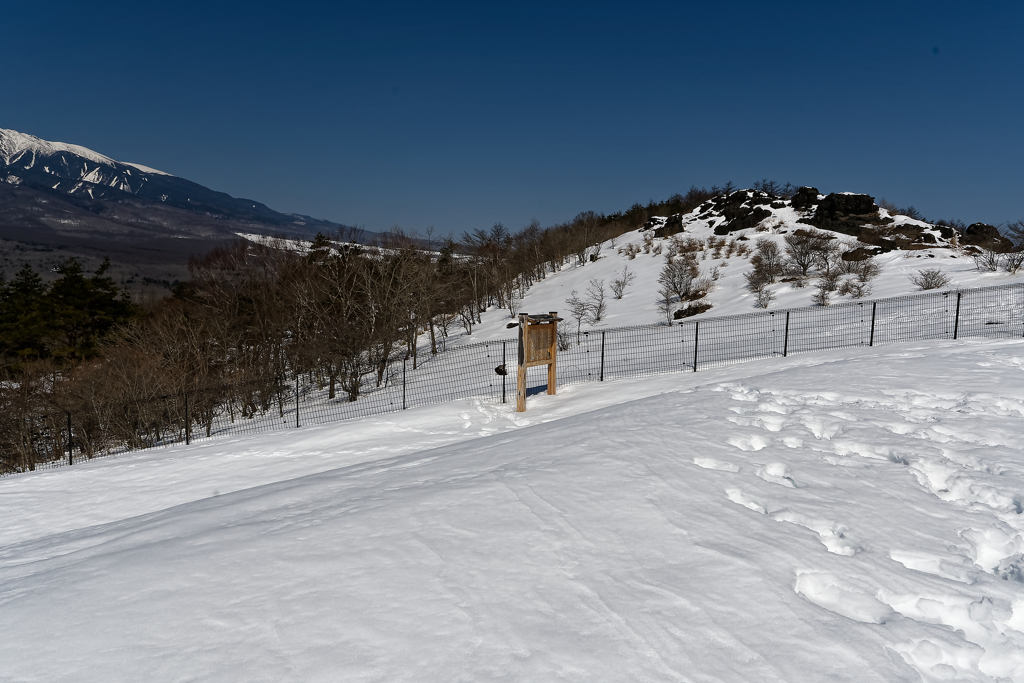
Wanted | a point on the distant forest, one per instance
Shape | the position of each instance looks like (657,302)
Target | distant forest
(253,314)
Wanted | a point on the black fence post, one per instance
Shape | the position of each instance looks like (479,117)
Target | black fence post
(785,341)
(504,375)
(956,323)
(296,399)
(871,339)
(188,423)
(403,384)
(70,452)
(602,355)
(696,333)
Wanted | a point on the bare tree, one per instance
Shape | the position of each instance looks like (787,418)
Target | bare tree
(678,275)
(806,248)
(665,300)
(625,279)
(578,310)
(768,259)
(596,301)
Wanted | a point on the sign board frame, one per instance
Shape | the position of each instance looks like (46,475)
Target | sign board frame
(538,345)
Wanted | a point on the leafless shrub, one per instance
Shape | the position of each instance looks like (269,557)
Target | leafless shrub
(808,248)
(665,303)
(765,296)
(930,278)
(821,294)
(597,306)
(678,276)
(630,250)
(829,280)
(1013,261)
(619,284)
(578,310)
(767,260)
(987,259)
(756,280)
(700,288)
(564,337)
(853,288)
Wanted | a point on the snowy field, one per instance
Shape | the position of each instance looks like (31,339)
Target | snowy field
(845,516)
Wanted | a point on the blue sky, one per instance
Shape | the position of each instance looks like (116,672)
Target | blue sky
(458,116)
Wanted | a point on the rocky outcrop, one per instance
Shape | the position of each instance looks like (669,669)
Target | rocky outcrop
(985,235)
(845,213)
(806,198)
(741,210)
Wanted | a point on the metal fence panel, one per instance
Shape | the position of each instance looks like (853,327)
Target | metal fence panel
(475,370)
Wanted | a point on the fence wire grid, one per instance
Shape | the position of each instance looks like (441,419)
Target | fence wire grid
(487,370)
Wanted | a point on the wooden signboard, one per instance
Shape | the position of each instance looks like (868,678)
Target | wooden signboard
(538,345)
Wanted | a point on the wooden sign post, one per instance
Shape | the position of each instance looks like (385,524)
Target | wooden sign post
(538,345)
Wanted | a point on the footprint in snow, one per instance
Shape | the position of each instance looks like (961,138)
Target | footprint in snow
(953,568)
(842,596)
(776,473)
(753,442)
(712,464)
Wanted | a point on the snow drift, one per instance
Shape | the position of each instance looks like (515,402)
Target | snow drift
(853,515)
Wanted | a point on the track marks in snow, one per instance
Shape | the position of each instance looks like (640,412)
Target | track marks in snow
(954,568)
(842,596)
(776,473)
(712,464)
(832,535)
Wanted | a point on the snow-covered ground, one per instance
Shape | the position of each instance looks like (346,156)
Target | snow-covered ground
(850,516)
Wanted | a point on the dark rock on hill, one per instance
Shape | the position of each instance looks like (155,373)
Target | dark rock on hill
(806,198)
(985,235)
(845,213)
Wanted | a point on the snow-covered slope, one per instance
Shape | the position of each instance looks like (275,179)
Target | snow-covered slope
(849,516)
(71,168)
(907,247)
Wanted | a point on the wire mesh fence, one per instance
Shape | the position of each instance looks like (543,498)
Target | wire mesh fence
(54,437)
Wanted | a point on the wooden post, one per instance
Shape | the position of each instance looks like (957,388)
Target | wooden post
(552,372)
(524,341)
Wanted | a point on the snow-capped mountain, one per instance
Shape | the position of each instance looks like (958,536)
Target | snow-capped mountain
(60,200)
(99,183)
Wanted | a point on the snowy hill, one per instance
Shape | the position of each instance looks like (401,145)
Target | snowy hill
(723,233)
(844,516)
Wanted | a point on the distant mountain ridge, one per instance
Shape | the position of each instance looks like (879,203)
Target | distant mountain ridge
(98,183)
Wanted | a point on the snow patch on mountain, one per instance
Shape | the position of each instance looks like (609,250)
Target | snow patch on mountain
(14,146)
